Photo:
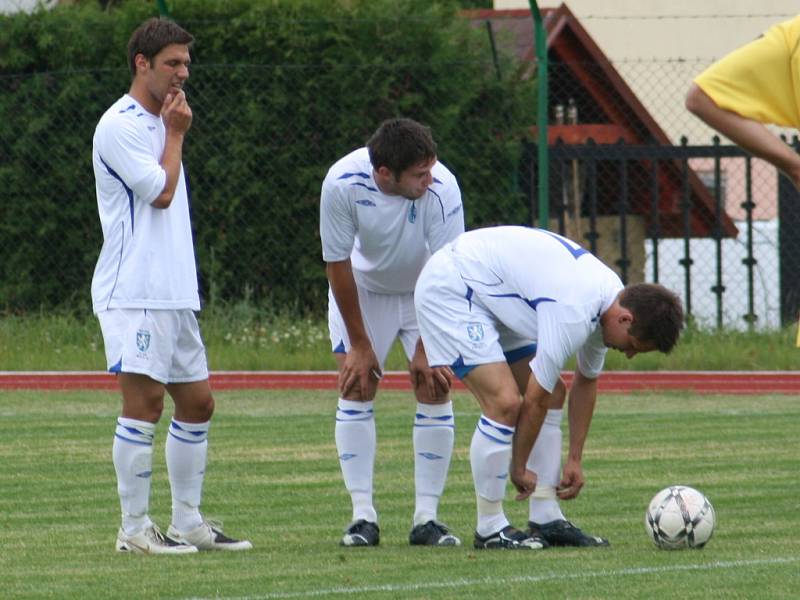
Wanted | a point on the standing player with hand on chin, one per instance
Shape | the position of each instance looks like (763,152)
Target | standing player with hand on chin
(144,292)
(384,209)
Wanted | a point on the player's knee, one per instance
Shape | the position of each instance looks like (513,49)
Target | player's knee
(423,395)
(205,408)
(506,409)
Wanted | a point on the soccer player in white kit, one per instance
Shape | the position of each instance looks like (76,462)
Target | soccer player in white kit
(504,308)
(144,293)
(384,209)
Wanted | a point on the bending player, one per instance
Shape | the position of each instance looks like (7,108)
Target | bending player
(384,209)
(504,308)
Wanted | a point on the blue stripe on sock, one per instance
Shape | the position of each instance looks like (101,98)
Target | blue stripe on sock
(130,441)
(185,441)
(502,430)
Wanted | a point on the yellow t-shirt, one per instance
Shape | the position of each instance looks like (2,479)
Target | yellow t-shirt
(761,80)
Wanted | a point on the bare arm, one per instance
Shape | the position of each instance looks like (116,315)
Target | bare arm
(361,359)
(430,384)
(177,118)
(750,135)
(582,399)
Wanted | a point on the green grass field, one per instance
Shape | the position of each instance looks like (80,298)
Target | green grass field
(274,477)
(247,338)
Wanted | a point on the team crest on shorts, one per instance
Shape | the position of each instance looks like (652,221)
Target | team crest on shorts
(475,331)
(142,340)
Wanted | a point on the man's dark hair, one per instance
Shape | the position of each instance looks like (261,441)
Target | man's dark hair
(399,144)
(152,36)
(657,314)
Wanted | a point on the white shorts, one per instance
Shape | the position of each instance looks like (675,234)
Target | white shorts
(456,329)
(386,317)
(165,345)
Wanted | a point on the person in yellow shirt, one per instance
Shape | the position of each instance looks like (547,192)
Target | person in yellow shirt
(755,85)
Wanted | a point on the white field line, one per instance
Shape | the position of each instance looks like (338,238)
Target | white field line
(499,581)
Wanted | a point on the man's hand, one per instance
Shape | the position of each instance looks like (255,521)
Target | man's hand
(175,113)
(435,381)
(525,482)
(360,373)
(571,481)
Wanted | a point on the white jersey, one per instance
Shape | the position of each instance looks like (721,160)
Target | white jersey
(387,238)
(544,287)
(147,259)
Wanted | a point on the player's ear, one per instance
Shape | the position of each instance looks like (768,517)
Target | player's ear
(141,62)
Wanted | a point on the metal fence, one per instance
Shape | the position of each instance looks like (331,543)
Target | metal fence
(635,204)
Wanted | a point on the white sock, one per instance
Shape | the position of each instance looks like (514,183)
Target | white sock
(355,443)
(434,432)
(132,454)
(490,454)
(186,451)
(545,461)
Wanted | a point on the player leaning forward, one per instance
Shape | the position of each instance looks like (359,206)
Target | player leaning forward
(384,209)
(144,293)
(504,308)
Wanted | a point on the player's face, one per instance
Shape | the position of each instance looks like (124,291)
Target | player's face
(616,336)
(168,71)
(414,181)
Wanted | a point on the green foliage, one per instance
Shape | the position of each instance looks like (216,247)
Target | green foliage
(279,90)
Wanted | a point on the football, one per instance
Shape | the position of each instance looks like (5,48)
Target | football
(679,517)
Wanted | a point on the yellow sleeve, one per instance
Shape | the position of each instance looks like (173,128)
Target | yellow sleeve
(761,80)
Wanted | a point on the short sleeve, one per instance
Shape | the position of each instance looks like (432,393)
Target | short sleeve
(761,80)
(124,150)
(592,355)
(561,333)
(337,226)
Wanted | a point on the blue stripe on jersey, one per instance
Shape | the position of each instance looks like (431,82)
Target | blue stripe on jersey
(468,296)
(359,174)
(128,190)
(533,303)
(575,250)
(340,348)
(436,180)
(439,198)
(364,185)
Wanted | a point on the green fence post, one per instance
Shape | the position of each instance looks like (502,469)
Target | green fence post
(543,156)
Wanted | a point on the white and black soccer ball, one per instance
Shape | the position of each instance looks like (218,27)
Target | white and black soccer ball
(679,517)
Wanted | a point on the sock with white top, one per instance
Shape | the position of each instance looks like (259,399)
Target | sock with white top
(355,443)
(545,461)
(186,452)
(490,455)
(434,432)
(132,453)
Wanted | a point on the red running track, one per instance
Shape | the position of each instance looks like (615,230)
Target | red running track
(711,382)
